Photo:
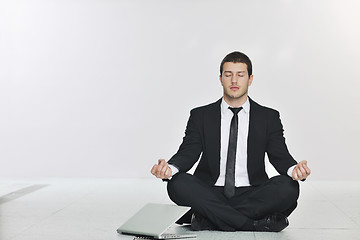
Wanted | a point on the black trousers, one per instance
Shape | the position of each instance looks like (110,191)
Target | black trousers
(279,194)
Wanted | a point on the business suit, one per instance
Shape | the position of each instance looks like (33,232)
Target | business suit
(202,137)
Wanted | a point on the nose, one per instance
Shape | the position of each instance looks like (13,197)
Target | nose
(234,79)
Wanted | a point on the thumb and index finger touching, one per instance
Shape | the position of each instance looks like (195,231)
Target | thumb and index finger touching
(303,167)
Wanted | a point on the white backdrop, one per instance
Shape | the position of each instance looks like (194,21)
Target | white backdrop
(104,88)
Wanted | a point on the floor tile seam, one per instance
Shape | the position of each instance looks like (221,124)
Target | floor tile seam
(319,191)
(31,226)
(350,217)
(254,235)
(338,208)
(353,220)
(323,228)
(343,212)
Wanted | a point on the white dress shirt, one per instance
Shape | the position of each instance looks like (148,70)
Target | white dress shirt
(241,174)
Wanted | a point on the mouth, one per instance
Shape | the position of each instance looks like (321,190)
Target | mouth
(234,88)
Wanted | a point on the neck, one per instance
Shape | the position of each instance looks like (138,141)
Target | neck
(236,102)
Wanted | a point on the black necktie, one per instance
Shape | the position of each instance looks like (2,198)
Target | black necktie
(229,188)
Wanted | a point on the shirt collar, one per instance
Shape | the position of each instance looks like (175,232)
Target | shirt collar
(225,107)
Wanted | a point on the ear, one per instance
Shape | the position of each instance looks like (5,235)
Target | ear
(251,79)
(220,78)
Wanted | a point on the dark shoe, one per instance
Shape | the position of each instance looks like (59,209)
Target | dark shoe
(186,218)
(200,223)
(272,223)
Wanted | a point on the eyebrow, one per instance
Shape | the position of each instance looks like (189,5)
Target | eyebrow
(232,72)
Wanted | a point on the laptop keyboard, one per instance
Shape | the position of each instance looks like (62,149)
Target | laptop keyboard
(164,236)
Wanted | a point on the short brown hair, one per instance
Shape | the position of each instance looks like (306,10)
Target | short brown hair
(237,57)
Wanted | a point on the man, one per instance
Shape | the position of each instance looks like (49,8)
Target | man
(230,190)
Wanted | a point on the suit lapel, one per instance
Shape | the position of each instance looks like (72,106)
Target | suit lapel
(252,124)
(212,123)
(253,128)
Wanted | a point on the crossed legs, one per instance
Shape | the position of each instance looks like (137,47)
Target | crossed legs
(279,194)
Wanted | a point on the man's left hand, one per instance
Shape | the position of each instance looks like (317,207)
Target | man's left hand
(301,171)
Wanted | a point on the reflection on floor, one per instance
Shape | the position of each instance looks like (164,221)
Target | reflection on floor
(95,208)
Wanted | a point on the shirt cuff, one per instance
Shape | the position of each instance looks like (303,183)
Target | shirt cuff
(290,170)
(174,170)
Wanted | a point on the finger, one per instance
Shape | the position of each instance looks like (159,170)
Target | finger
(305,174)
(302,169)
(295,176)
(162,162)
(299,173)
(163,170)
(153,169)
(158,170)
(303,162)
(168,173)
(308,171)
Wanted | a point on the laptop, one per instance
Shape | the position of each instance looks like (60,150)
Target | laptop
(154,220)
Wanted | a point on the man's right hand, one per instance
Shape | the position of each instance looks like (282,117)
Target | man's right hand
(161,170)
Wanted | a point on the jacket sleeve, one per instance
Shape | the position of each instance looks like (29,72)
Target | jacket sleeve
(277,150)
(191,146)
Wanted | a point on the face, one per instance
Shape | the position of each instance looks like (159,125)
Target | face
(235,81)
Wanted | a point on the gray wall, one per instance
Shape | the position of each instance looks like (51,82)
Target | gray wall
(104,88)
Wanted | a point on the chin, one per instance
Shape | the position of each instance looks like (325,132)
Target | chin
(235,96)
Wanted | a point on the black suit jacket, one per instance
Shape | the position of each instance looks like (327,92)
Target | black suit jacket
(202,137)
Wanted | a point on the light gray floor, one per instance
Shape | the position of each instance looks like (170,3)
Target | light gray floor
(94,208)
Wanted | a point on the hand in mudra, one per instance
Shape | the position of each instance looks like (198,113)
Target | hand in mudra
(161,170)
